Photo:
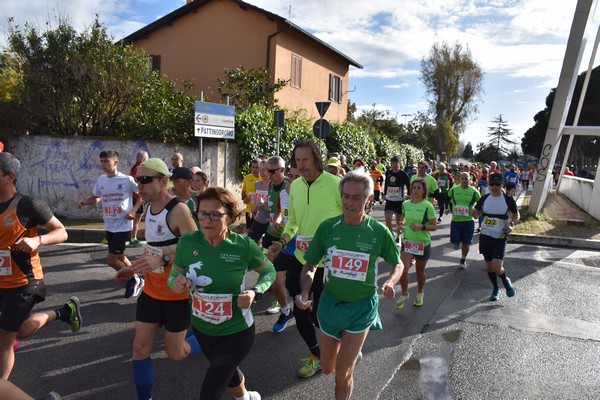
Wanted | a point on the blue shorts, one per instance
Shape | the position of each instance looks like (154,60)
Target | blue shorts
(354,317)
(461,232)
(492,248)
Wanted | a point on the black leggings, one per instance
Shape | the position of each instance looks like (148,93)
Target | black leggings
(224,353)
(443,203)
(306,320)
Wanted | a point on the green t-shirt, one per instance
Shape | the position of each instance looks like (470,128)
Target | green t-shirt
(218,276)
(419,213)
(462,202)
(432,185)
(351,253)
(272,200)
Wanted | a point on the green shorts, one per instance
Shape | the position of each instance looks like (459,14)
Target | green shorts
(336,317)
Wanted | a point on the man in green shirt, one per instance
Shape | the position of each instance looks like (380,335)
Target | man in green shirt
(462,200)
(432,187)
(350,244)
(314,198)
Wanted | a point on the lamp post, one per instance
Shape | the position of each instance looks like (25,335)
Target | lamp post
(405,115)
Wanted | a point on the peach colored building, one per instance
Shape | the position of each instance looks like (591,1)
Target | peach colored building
(199,40)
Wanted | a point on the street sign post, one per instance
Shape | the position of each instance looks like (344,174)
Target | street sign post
(214,120)
(321,127)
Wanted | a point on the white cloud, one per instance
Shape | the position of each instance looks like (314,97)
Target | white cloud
(397,85)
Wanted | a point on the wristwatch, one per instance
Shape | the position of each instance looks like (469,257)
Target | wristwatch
(166,260)
(257,294)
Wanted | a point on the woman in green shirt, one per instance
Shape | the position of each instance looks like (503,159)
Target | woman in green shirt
(212,264)
(416,241)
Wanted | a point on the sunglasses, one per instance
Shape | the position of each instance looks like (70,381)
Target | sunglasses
(213,216)
(495,184)
(144,180)
(272,171)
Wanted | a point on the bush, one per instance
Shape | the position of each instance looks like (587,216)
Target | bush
(351,141)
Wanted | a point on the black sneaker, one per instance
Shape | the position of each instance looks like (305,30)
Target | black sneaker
(75,319)
(51,396)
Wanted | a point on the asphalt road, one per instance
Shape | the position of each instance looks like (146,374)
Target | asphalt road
(544,343)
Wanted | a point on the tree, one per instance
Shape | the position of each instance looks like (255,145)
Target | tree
(467,151)
(249,87)
(499,137)
(75,83)
(453,81)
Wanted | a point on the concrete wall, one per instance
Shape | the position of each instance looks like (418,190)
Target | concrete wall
(583,192)
(63,170)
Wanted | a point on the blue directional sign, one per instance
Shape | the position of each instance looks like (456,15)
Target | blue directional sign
(214,120)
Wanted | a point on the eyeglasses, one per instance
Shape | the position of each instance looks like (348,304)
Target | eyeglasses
(213,216)
(495,184)
(144,180)
(272,171)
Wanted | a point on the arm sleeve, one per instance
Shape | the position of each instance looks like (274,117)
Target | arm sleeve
(292,225)
(266,274)
(32,212)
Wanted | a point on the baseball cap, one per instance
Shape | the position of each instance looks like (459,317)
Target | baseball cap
(157,165)
(334,161)
(496,178)
(181,173)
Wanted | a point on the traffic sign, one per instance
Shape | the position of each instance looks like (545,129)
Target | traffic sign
(322,107)
(214,120)
(321,128)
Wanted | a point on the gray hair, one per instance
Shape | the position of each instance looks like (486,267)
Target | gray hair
(276,161)
(361,177)
(141,156)
(9,164)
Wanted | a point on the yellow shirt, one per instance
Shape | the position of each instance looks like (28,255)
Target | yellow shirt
(248,189)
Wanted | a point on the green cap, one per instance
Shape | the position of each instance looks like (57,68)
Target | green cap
(156,164)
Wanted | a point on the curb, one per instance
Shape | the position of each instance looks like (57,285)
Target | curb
(555,241)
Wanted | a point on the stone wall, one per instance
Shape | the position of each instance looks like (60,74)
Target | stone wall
(62,170)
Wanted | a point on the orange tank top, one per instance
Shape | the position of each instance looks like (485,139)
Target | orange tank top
(16,269)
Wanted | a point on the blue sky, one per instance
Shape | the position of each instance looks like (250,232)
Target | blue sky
(519,44)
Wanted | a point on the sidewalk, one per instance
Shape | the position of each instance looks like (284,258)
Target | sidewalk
(562,224)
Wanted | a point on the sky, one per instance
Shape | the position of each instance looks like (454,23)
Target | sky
(519,44)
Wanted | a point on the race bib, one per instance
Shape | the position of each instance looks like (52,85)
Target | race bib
(416,248)
(212,308)
(157,252)
(302,242)
(252,196)
(5,263)
(462,211)
(349,265)
(393,193)
(489,222)
(441,183)
(284,215)
(261,197)
(113,212)
(512,179)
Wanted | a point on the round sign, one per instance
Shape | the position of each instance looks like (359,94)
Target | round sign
(321,128)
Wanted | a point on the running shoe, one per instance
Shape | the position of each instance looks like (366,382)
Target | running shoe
(510,290)
(16,345)
(135,243)
(462,265)
(51,396)
(134,286)
(495,294)
(254,395)
(419,300)
(478,230)
(75,319)
(311,366)
(275,308)
(282,321)
(440,219)
(400,303)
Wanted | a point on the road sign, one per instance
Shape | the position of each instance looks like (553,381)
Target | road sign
(216,132)
(322,107)
(321,128)
(279,118)
(214,120)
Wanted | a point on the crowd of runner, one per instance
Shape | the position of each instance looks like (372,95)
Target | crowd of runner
(308,235)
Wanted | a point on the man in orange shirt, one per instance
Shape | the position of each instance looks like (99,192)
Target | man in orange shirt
(377,177)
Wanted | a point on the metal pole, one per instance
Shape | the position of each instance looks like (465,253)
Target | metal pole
(278,139)
(225,163)
(320,134)
(200,144)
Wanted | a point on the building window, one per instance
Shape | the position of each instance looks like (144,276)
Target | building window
(296,75)
(154,63)
(335,88)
